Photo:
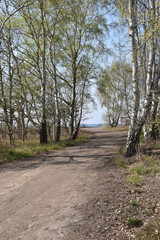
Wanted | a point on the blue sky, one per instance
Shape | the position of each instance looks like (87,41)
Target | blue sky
(95,117)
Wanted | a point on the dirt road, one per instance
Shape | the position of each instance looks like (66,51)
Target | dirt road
(39,196)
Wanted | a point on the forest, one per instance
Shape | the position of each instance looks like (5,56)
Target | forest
(52,53)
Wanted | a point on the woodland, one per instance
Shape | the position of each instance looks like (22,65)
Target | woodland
(52,53)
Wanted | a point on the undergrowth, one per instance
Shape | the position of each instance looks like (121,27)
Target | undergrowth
(151,231)
(121,161)
(137,169)
(118,128)
(30,148)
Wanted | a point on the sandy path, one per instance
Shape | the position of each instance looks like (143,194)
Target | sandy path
(38,197)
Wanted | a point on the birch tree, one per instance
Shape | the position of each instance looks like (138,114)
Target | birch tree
(134,132)
(131,146)
(82,39)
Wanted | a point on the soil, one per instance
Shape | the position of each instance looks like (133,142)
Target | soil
(77,193)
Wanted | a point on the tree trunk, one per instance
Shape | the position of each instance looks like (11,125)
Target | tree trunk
(72,108)
(153,132)
(43,127)
(76,131)
(131,145)
(57,125)
(133,137)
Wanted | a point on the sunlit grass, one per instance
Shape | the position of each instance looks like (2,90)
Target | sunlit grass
(120,160)
(151,231)
(118,128)
(30,147)
(135,179)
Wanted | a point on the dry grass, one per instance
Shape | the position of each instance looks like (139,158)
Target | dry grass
(142,170)
(118,128)
(31,146)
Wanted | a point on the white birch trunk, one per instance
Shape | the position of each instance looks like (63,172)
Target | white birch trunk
(149,86)
(57,125)
(130,146)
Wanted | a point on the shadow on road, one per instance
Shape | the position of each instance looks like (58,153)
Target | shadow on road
(99,148)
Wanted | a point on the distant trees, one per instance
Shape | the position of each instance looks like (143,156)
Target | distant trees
(114,89)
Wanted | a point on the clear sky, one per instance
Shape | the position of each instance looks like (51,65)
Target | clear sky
(96,112)
(95,117)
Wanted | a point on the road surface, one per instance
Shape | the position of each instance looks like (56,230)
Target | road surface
(39,196)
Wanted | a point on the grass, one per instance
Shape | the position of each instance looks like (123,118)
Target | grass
(150,231)
(134,203)
(120,160)
(134,222)
(143,169)
(33,147)
(135,180)
(118,128)
(137,168)
(145,164)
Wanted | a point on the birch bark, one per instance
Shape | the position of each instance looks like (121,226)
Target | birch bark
(134,140)
(131,146)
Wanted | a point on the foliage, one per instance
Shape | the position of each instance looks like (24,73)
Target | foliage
(50,52)
(114,92)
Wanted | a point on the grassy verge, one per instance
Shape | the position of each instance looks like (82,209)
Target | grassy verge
(118,128)
(33,147)
(142,173)
(150,231)
(121,161)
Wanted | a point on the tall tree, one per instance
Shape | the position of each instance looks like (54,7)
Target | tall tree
(131,146)
(43,127)
(134,133)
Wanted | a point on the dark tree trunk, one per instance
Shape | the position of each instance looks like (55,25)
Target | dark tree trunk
(57,131)
(72,108)
(43,133)
(75,134)
(43,129)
